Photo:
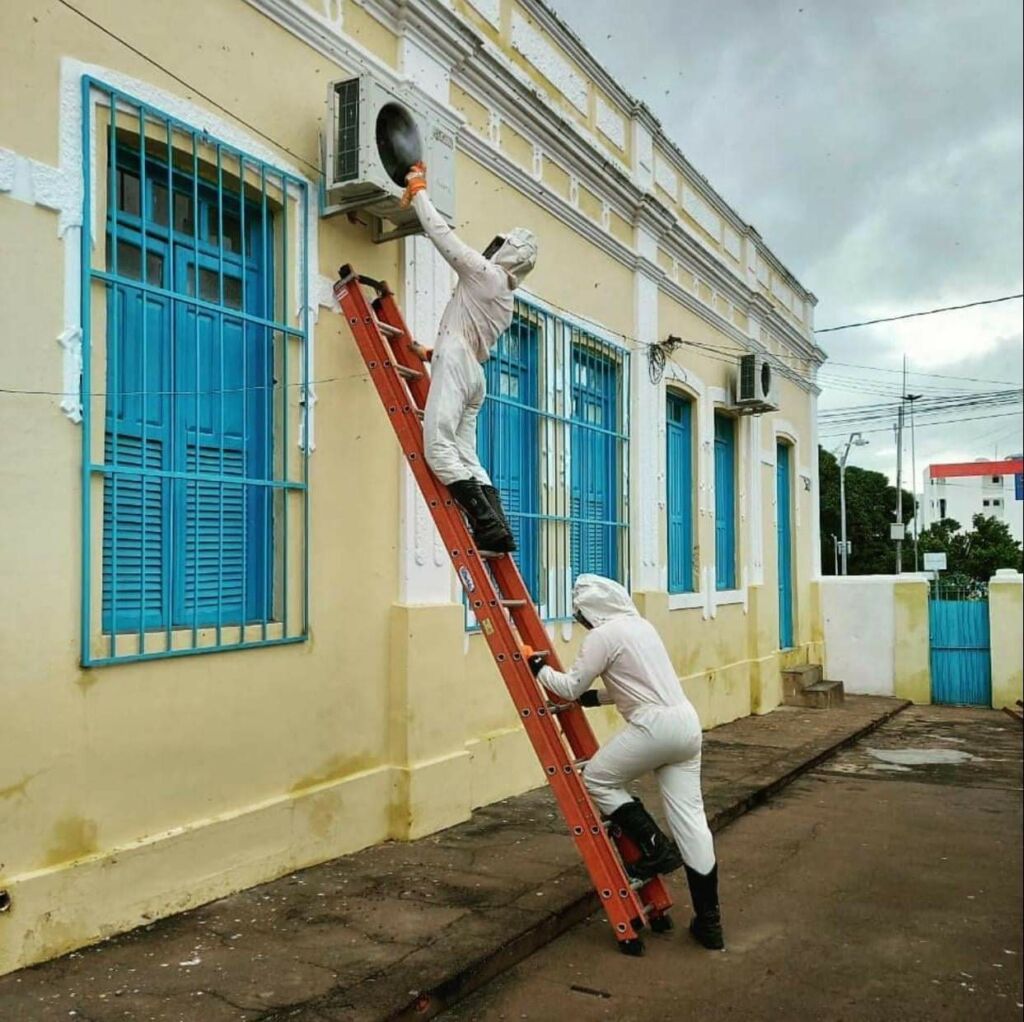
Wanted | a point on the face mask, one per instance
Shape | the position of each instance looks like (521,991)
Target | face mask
(493,247)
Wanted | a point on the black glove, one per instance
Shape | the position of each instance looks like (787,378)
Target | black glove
(536,662)
(590,698)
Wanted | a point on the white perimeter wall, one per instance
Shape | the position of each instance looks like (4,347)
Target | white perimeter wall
(860,633)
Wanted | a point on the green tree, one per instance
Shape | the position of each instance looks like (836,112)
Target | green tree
(870,510)
(974,555)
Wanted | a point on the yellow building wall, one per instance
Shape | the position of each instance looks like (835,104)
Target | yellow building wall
(138,790)
(912,674)
(199,775)
(1006,616)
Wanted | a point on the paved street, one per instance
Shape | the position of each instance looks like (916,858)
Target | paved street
(885,885)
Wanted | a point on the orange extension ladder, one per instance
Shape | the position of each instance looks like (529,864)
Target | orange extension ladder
(508,619)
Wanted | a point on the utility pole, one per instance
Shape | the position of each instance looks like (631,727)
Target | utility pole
(899,492)
(913,475)
(859,441)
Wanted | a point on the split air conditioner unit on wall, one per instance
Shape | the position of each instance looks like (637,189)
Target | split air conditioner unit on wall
(373,136)
(755,386)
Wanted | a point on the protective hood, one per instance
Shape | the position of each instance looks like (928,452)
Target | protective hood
(517,254)
(601,600)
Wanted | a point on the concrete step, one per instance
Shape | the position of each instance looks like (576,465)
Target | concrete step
(796,679)
(822,695)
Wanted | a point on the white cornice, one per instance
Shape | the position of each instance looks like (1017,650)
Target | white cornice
(484,71)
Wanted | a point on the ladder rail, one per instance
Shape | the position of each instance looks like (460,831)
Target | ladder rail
(558,739)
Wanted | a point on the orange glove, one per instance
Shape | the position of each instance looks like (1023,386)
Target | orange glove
(415,181)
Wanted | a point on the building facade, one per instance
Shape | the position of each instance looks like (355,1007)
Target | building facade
(961,490)
(231,643)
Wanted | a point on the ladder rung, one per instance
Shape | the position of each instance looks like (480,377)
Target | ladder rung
(418,412)
(513,603)
(406,373)
(491,555)
(387,329)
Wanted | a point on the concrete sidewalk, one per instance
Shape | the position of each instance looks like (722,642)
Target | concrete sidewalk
(401,930)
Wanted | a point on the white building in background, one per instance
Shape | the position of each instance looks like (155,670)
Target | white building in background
(961,490)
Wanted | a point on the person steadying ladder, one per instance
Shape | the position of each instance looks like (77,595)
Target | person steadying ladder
(662,734)
(478,312)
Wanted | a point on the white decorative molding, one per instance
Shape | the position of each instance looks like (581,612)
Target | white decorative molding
(763,272)
(538,163)
(665,177)
(643,157)
(494,128)
(548,60)
(489,10)
(610,123)
(70,341)
(702,212)
(755,524)
(815,494)
(686,601)
(33,182)
(499,83)
(574,190)
(647,415)
(732,242)
(425,575)
(334,13)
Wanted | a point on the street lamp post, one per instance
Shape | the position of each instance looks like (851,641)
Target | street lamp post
(855,440)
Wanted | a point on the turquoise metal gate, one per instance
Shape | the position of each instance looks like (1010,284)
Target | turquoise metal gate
(961,659)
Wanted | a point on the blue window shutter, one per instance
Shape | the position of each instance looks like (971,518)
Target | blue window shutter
(136,439)
(594,495)
(507,438)
(725,502)
(222,529)
(680,493)
(203,557)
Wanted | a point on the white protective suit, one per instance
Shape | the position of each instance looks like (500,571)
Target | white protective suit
(479,310)
(662,732)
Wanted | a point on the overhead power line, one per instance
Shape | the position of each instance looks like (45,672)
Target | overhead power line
(925,312)
(920,425)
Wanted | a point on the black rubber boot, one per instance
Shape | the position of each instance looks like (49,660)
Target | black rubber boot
(706,925)
(493,498)
(657,853)
(488,532)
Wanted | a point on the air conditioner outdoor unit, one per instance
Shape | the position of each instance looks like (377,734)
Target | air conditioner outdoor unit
(373,135)
(755,386)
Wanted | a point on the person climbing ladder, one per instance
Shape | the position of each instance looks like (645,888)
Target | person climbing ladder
(478,312)
(662,734)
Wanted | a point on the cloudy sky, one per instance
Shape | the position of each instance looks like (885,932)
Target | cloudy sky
(876,145)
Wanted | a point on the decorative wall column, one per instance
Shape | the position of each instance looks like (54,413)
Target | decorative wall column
(647,493)
(425,575)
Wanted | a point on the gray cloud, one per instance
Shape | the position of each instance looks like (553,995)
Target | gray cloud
(876,146)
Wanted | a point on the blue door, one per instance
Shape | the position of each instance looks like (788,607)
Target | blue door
(594,495)
(961,659)
(507,440)
(679,466)
(725,502)
(783,502)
